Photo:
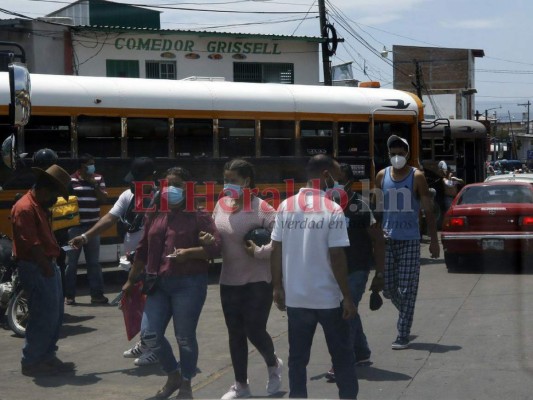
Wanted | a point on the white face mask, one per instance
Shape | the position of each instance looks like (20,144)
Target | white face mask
(398,162)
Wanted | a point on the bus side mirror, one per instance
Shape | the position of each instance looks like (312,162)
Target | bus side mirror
(20,88)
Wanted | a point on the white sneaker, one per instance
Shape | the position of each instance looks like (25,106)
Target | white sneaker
(237,391)
(136,351)
(274,378)
(147,358)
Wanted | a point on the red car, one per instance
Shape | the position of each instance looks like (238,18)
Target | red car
(489,219)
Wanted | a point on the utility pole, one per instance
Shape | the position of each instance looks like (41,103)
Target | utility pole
(418,79)
(326,66)
(527,122)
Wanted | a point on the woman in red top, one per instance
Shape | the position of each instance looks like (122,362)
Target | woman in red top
(170,249)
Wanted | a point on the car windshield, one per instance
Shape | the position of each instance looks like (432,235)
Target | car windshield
(496,194)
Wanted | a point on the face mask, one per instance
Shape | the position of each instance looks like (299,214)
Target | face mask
(175,195)
(232,190)
(398,162)
(90,169)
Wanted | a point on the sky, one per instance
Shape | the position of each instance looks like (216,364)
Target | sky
(504,77)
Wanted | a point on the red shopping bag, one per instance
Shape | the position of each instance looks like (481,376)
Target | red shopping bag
(132,307)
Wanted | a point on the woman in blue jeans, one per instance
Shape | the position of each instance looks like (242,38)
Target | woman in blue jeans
(171,250)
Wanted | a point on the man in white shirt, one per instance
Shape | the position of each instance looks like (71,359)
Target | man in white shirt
(309,277)
(142,170)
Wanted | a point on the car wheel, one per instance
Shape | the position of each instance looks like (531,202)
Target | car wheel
(452,261)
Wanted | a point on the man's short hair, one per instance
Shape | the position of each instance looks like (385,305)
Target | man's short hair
(84,159)
(346,169)
(317,164)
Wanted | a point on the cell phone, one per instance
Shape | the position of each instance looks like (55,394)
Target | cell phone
(171,256)
(68,247)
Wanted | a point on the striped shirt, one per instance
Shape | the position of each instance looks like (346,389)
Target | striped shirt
(87,200)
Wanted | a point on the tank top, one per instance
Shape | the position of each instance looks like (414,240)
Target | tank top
(401,207)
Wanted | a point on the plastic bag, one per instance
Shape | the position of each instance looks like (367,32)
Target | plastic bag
(132,308)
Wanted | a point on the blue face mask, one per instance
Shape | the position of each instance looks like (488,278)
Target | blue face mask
(175,195)
(91,169)
(232,190)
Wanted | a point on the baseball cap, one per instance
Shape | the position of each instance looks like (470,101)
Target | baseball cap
(141,167)
(395,138)
(442,165)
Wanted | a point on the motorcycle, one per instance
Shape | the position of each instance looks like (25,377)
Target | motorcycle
(13,300)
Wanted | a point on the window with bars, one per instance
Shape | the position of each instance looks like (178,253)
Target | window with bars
(161,69)
(263,72)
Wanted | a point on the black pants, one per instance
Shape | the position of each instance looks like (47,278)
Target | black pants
(246,310)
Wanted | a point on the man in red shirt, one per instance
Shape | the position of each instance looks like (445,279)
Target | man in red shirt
(35,249)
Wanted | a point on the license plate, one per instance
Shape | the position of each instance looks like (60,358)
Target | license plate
(492,244)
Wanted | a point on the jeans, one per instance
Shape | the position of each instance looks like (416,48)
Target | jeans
(182,299)
(357,284)
(45,305)
(246,309)
(302,326)
(92,255)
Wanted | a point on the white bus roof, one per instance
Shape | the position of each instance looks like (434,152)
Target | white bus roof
(142,95)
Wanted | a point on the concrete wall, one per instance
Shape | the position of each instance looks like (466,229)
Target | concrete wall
(44,44)
(443,71)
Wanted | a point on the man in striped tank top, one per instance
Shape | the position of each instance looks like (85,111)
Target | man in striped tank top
(89,187)
(404,190)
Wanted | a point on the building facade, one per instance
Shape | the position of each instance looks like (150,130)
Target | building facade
(172,54)
(103,38)
(444,76)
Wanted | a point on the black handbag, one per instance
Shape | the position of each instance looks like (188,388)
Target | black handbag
(149,283)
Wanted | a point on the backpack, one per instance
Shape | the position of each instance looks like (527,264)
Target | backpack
(65,214)
(131,221)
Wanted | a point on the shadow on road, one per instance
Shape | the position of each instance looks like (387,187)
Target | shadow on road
(433,347)
(72,330)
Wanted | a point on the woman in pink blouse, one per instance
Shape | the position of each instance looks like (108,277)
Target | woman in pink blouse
(171,249)
(245,278)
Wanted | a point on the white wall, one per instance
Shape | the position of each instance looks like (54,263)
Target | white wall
(92,49)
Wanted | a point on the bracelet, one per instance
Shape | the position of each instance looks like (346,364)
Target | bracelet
(85,239)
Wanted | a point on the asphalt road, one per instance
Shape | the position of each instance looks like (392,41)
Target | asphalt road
(471,340)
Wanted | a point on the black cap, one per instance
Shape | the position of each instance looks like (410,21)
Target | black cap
(375,301)
(141,167)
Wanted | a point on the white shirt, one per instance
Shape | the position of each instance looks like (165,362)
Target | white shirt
(308,225)
(131,240)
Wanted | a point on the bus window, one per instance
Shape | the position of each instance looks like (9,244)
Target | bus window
(99,136)
(237,138)
(427,149)
(354,139)
(316,137)
(193,137)
(147,137)
(51,132)
(277,138)
(440,152)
